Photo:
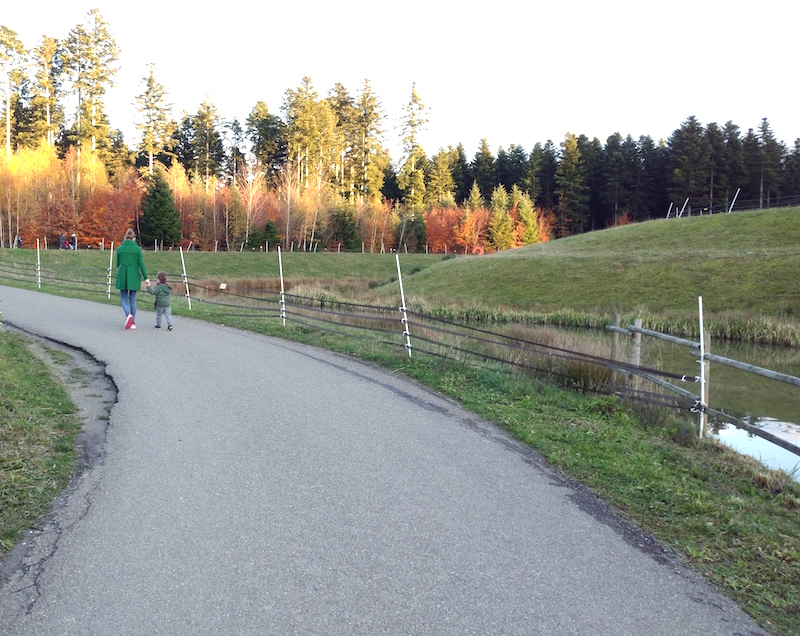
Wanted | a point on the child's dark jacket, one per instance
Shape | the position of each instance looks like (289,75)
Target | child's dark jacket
(161,292)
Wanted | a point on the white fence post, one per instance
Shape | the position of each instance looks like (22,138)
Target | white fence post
(283,299)
(403,307)
(38,266)
(110,266)
(185,279)
(703,405)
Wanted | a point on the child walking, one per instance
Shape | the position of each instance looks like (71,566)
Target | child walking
(162,293)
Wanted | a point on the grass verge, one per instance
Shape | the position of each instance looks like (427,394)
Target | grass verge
(38,428)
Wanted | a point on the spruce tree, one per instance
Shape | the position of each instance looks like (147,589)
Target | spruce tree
(160,221)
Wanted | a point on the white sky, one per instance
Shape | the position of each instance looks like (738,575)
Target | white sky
(512,71)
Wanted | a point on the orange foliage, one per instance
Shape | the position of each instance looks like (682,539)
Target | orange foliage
(473,229)
(441,228)
(110,211)
(622,219)
(546,224)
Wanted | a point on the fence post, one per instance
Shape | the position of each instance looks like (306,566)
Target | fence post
(283,300)
(636,352)
(185,279)
(38,266)
(403,307)
(703,388)
(110,266)
(614,350)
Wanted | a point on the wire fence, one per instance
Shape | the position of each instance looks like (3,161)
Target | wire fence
(510,349)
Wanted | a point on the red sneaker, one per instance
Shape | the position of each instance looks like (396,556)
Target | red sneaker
(128,321)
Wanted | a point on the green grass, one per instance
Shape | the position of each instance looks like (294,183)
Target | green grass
(37,439)
(744,264)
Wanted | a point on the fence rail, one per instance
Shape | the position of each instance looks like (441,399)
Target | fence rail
(701,399)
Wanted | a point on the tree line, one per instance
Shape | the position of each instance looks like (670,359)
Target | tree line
(316,174)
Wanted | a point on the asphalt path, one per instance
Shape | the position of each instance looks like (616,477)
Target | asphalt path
(256,486)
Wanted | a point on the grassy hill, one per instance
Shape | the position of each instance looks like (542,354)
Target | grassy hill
(746,263)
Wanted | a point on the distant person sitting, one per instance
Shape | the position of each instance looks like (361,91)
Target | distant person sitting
(162,293)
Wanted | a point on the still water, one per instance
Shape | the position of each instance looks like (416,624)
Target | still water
(764,403)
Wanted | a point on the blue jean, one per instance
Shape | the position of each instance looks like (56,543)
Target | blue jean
(128,299)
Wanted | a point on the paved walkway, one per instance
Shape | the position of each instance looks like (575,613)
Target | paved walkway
(255,486)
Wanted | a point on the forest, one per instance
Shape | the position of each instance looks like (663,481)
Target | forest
(315,174)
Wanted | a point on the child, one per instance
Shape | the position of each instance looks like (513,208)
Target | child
(162,293)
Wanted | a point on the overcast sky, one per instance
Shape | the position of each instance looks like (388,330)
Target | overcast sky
(514,72)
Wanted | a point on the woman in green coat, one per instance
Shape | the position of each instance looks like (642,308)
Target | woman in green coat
(131,271)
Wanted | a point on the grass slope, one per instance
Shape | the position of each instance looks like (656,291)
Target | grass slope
(741,263)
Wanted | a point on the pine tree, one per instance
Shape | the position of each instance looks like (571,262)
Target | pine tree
(483,168)
(12,56)
(160,222)
(267,135)
(690,155)
(571,182)
(411,178)
(501,226)
(47,113)
(441,185)
(154,112)
(89,58)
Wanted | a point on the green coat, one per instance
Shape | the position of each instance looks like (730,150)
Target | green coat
(130,262)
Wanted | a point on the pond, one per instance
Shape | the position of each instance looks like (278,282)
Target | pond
(768,404)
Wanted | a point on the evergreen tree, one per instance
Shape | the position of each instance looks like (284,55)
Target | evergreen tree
(12,57)
(271,235)
(441,185)
(531,180)
(548,197)
(690,153)
(526,213)
(411,177)
(368,153)
(154,123)
(733,162)
(475,201)
(459,169)
(717,174)
(791,171)
(311,131)
(594,164)
(483,168)
(160,221)
(501,226)
(772,152)
(651,198)
(571,182)
(89,58)
(267,134)
(47,112)
(207,147)
(511,166)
